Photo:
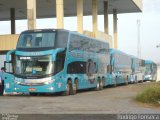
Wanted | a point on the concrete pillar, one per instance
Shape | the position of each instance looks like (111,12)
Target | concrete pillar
(80,16)
(115,28)
(106,17)
(31,14)
(94,16)
(12,17)
(60,14)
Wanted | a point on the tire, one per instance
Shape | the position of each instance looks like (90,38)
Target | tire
(142,79)
(126,82)
(135,80)
(74,88)
(101,84)
(115,84)
(68,89)
(97,86)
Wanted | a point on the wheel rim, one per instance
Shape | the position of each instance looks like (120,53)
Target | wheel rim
(67,87)
(98,85)
(101,84)
(75,87)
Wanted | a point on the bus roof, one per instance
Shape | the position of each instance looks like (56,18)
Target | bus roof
(149,62)
(74,32)
(114,51)
(43,30)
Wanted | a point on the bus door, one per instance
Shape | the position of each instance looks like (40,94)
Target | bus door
(9,72)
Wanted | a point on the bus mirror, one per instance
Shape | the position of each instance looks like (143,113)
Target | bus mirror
(8,67)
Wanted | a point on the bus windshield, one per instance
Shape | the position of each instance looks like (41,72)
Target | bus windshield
(34,66)
(36,40)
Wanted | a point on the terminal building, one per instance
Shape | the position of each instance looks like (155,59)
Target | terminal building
(12,10)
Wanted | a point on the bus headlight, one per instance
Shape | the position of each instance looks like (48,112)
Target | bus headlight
(50,81)
(51,88)
(53,79)
(17,82)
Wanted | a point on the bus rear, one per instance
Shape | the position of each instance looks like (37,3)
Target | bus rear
(150,71)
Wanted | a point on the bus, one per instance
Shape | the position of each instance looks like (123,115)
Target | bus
(121,67)
(138,67)
(150,71)
(56,60)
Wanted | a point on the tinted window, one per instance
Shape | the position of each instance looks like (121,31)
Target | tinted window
(84,43)
(122,61)
(76,68)
(60,59)
(62,39)
(75,43)
(37,39)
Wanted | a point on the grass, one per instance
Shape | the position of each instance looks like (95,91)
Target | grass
(151,94)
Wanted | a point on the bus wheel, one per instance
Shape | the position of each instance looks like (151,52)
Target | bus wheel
(68,89)
(97,86)
(136,81)
(126,81)
(115,81)
(74,88)
(101,84)
(142,79)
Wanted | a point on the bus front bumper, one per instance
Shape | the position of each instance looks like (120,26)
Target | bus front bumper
(49,88)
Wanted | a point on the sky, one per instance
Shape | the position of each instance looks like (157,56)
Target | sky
(127,29)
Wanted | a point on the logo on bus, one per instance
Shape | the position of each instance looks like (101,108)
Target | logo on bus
(91,70)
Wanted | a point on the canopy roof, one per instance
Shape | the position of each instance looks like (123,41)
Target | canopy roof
(47,8)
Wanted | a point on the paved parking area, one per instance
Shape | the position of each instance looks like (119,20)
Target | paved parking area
(108,101)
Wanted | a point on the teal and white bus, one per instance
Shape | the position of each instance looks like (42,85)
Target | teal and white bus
(121,67)
(150,71)
(138,68)
(56,60)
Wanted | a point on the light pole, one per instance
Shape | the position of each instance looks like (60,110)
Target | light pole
(138,39)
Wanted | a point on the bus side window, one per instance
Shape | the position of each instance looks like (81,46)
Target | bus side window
(60,62)
(76,68)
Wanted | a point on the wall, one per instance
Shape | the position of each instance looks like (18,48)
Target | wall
(8,42)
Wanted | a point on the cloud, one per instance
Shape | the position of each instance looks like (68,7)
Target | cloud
(151,6)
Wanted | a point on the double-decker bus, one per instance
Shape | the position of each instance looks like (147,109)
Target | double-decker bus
(55,60)
(150,71)
(138,67)
(121,67)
